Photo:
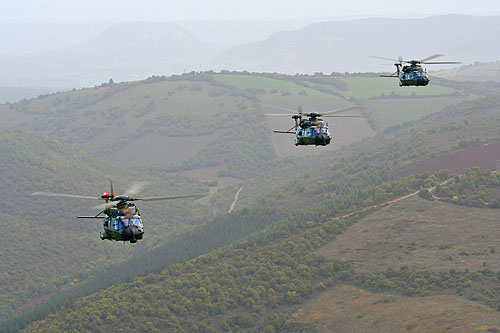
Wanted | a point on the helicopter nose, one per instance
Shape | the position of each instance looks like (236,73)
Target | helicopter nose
(326,138)
(135,231)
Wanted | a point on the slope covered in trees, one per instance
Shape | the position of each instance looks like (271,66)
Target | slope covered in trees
(46,248)
(276,192)
(253,284)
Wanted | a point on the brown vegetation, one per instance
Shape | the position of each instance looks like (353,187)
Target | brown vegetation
(483,157)
(421,234)
(349,309)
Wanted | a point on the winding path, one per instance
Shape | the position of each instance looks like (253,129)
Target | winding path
(392,201)
(236,196)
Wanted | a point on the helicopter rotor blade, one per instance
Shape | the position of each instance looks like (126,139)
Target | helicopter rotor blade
(343,116)
(104,206)
(340,111)
(430,57)
(398,60)
(111,187)
(63,195)
(135,188)
(441,62)
(171,197)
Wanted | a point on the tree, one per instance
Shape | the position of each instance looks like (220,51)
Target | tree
(425,194)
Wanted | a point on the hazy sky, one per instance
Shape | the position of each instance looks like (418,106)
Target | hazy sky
(169,10)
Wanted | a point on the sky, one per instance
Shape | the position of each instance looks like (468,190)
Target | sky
(64,11)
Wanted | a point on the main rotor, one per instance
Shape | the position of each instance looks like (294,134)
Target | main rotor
(111,199)
(416,63)
(315,115)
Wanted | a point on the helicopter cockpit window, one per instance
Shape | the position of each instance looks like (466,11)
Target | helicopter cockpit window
(136,220)
(106,223)
(324,130)
(117,224)
(316,130)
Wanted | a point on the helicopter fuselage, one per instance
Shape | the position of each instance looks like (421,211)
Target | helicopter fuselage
(413,76)
(312,132)
(122,224)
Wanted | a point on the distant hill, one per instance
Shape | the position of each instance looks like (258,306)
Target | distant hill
(344,46)
(474,72)
(123,52)
(133,51)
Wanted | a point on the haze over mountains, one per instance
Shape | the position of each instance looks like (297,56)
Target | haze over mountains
(133,51)
(124,52)
(343,46)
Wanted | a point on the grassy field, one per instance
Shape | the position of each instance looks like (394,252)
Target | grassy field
(349,309)
(421,234)
(260,82)
(344,130)
(391,112)
(174,121)
(361,87)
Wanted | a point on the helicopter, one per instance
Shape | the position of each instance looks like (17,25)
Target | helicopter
(309,128)
(413,74)
(121,218)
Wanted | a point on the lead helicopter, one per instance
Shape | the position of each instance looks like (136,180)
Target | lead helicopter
(121,218)
(413,74)
(309,128)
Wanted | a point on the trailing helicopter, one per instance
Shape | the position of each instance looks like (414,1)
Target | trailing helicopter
(413,74)
(309,128)
(121,218)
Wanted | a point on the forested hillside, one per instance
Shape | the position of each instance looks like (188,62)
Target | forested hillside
(258,284)
(47,248)
(284,213)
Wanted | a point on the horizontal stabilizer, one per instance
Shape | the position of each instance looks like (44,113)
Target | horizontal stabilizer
(282,132)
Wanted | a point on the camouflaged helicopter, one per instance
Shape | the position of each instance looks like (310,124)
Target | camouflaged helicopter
(413,74)
(309,128)
(121,218)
